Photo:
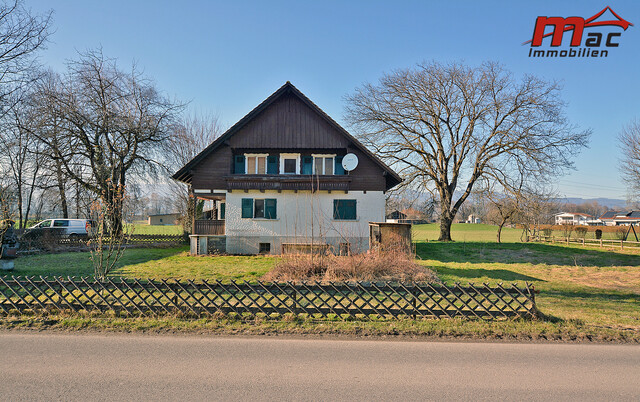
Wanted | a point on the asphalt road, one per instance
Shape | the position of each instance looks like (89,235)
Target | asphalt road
(141,367)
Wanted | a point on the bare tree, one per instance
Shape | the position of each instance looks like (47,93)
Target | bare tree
(106,124)
(21,35)
(630,163)
(21,159)
(193,134)
(450,125)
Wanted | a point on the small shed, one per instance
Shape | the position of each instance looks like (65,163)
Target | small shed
(393,235)
(164,219)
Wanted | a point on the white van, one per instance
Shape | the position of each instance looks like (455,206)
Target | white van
(71,228)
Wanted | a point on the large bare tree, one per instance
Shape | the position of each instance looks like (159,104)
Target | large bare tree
(103,125)
(630,163)
(22,33)
(193,134)
(449,125)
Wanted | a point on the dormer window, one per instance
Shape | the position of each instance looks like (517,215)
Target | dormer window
(323,164)
(256,163)
(290,163)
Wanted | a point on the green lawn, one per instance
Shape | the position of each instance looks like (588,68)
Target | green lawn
(150,263)
(143,228)
(466,232)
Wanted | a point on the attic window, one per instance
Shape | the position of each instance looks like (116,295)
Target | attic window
(323,164)
(290,163)
(256,163)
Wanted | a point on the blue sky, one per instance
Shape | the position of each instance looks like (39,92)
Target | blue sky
(226,57)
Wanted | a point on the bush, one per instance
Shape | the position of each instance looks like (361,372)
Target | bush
(566,230)
(598,233)
(547,232)
(371,266)
(581,231)
(621,232)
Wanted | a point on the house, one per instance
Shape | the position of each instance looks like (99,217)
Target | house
(395,216)
(277,181)
(574,218)
(473,219)
(164,219)
(620,218)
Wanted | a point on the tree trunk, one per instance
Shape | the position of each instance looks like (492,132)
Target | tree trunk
(445,227)
(500,230)
(61,190)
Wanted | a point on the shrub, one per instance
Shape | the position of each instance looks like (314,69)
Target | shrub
(547,232)
(598,233)
(566,230)
(581,231)
(621,232)
(370,266)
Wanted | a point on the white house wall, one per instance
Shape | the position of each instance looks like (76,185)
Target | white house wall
(302,217)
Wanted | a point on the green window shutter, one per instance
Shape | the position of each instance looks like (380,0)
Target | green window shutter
(344,210)
(272,164)
(270,207)
(223,207)
(238,164)
(338,169)
(307,165)
(247,207)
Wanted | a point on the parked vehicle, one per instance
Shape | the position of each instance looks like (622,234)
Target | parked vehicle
(61,228)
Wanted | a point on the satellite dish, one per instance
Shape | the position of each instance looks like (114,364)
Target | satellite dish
(349,162)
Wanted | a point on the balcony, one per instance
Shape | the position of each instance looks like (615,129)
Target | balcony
(208,227)
(284,182)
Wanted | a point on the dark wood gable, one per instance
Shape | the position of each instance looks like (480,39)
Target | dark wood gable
(287,121)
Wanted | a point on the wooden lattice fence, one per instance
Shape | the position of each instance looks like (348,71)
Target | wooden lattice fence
(361,300)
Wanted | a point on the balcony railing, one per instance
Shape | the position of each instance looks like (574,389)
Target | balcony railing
(280,182)
(208,227)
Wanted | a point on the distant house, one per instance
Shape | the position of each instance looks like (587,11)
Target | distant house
(575,218)
(395,216)
(278,183)
(164,219)
(620,218)
(473,219)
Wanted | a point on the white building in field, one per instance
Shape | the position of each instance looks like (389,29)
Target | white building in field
(277,182)
(575,218)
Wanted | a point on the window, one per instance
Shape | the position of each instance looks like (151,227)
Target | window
(45,224)
(290,163)
(344,210)
(60,223)
(259,208)
(265,248)
(323,164)
(256,163)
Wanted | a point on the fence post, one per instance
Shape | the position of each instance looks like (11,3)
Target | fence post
(600,242)
(583,241)
(621,244)
(567,239)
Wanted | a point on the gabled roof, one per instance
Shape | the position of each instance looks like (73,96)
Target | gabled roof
(613,215)
(574,213)
(184,174)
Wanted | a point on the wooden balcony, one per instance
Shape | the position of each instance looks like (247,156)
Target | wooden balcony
(208,227)
(284,182)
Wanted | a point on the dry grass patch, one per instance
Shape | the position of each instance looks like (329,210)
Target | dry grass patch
(370,266)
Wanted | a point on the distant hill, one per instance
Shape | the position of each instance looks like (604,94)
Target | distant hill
(612,203)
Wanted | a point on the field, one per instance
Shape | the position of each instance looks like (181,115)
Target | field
(585,293)
(143,228)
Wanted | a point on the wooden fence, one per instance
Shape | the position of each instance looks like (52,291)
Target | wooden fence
(361,300)
(586,242)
